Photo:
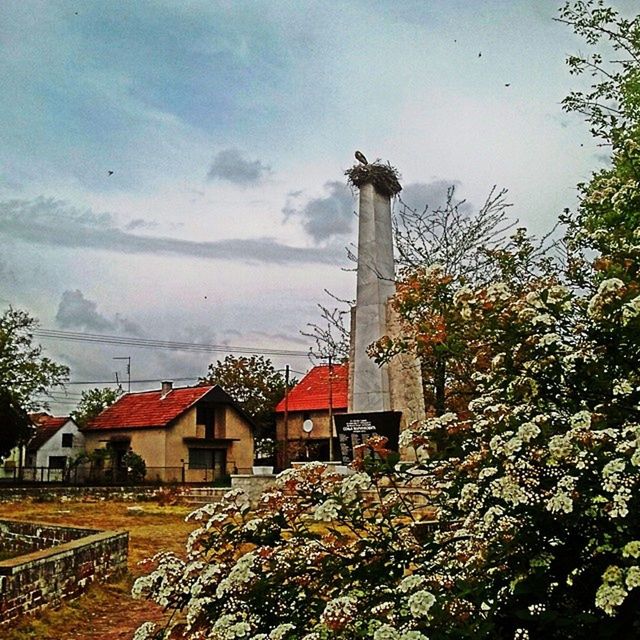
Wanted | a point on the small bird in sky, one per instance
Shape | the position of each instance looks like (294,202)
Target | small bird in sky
(360,157)
(109,173)
(480,55)
(507,84)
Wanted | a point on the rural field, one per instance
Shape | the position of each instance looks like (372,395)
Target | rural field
(106,611)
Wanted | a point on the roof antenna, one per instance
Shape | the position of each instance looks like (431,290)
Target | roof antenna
(128,359)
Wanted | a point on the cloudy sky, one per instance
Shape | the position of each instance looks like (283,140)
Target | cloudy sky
(173,170)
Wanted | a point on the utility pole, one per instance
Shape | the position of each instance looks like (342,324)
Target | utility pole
(128,359)
(285,457)
(331,453)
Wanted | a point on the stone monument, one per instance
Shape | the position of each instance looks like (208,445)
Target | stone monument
(396,386)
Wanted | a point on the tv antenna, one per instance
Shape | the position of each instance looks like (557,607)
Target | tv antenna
(128,359)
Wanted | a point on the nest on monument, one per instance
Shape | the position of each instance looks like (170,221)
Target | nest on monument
(383,177)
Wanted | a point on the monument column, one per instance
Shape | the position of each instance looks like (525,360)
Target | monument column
(369,384)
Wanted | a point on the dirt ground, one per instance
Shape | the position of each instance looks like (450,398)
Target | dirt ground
(106,611)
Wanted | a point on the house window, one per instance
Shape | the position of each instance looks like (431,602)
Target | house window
(57,462)
(67,439)
(206,415)
(208,459)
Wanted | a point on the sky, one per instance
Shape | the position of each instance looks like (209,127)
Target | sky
(174,170)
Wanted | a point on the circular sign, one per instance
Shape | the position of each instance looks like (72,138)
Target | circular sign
(307,426)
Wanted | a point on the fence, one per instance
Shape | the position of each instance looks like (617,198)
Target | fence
(87,473)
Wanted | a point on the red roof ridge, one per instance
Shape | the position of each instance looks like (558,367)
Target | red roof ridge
(149,408)
(312,392)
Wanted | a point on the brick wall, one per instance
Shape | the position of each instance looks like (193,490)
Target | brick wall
(45,576)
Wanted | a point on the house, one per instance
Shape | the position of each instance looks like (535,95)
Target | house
(186,434)
(56,441)
(322,392)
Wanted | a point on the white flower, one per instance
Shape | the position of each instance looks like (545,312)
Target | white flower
(409,583)
(145,631)
(581,420)
(386,632)
(327,511)
(560,501)
(355,483)
(281,631)
(633,577)
(614,467)
(528,431)
(413,635)
(631,310)
(487,472)
(420,603)
(509,490)
(610,596)
(240,574)
(622,388)
(560,447)
(631,549)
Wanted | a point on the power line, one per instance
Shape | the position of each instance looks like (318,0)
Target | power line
(133,381)
(148,343)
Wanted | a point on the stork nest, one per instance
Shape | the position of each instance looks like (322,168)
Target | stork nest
(383,177)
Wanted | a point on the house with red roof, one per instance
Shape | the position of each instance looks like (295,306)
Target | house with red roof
(322,392)
(184,434)
(55,442)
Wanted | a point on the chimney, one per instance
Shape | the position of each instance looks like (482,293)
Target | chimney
(167,386)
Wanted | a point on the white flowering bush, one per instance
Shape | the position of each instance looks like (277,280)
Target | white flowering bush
(517,512)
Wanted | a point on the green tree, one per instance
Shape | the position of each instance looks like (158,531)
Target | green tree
(253,383)
(24,371)
(25,375)
(16,426)
(92,403)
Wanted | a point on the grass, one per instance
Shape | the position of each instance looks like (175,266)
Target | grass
(106,611)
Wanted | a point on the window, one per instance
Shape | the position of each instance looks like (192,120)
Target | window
(206,415)
(67,439)
(57,462)
(207,459)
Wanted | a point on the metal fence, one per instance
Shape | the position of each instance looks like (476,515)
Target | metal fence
(91,474)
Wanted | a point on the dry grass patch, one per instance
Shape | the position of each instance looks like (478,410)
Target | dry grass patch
(106,611)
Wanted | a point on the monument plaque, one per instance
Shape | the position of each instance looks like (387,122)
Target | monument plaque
(355,428)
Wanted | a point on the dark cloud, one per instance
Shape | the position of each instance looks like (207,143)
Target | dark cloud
(231,166)
(419,195)
(326,217)
(76,312)
(51,222)
(140,223)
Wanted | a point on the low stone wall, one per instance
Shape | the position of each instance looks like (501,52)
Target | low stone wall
(253,486)
(17,537)
(45,576)
(50,493)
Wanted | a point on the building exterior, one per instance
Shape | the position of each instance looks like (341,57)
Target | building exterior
(188,434)
(55,443)
(323,391)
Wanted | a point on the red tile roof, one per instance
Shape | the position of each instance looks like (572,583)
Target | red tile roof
(148,408)
(312,392)
(46,426)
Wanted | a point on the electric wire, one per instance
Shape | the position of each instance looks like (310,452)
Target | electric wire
(148,343)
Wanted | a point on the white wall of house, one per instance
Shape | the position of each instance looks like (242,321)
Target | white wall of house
(53,447)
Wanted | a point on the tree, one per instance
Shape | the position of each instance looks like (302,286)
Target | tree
(253,383)
(92,403)
(25,374)
(331,333)
(16,425)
